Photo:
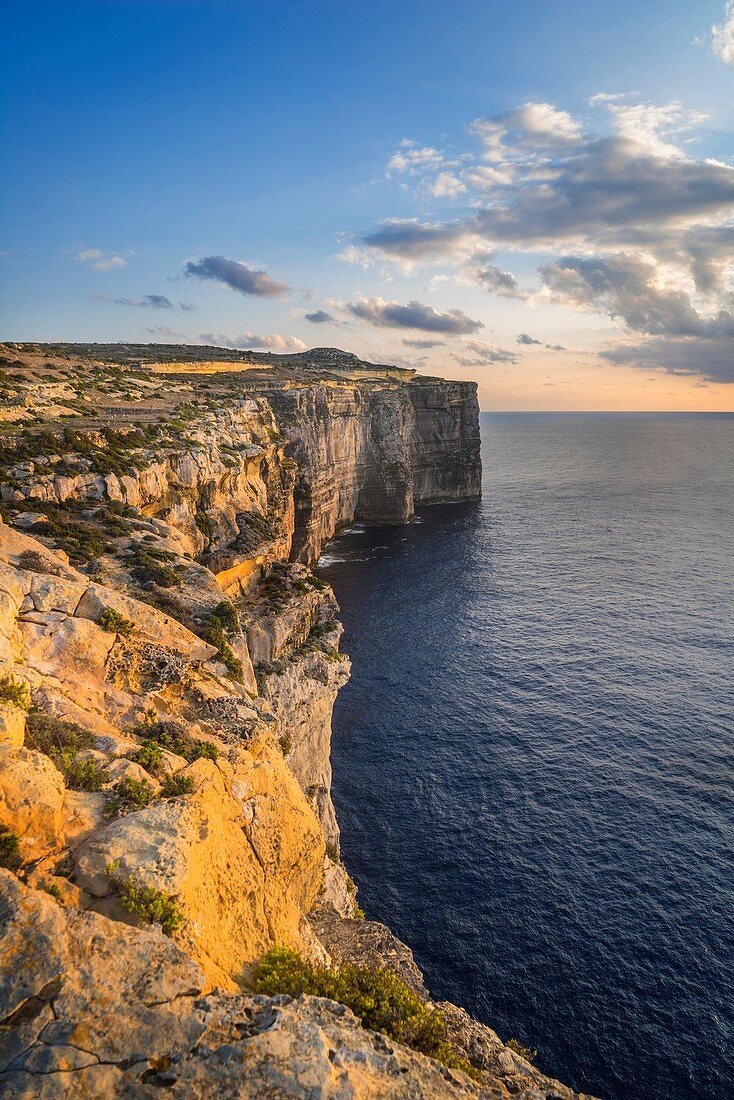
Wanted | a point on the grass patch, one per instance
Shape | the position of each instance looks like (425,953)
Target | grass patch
(376,996)
(222,619)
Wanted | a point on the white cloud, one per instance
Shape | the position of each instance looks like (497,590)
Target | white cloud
(412,158)
(248,340)
(533,125)
(722,36)
(446,185)
(99,260)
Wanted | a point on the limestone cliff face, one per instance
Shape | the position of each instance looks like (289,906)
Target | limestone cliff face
(182,663)
(374,453)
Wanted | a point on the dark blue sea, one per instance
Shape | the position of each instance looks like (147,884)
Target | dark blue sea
(534,759)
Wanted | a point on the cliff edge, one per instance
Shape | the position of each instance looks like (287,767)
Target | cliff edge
(169,664)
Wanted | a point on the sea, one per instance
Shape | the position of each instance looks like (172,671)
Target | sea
(534,758)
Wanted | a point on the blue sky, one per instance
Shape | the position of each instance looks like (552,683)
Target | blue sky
(144,137)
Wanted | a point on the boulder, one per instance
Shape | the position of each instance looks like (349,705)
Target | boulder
(31,801)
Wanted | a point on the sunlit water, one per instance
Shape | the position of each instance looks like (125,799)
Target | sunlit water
(533,761)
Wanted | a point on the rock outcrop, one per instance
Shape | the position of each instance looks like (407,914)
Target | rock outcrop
(169,668)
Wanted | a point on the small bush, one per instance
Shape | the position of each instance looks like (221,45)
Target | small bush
(9,849)
(377,996)
(286,743)
(149,756)
(35,562)
(200,750)
(14,691)
(53,890)
(129,795)
(226,614)
(47,734)
(524,1052)
(80,773)
(175,785)
(115,623)
(172,736)
(146,903)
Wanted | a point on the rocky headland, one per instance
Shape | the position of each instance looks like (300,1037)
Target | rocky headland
(169,852)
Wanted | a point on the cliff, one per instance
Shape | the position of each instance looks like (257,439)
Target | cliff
(169,667)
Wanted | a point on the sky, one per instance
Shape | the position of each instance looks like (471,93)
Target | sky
(536,196)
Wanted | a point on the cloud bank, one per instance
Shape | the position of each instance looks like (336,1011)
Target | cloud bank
(624,221)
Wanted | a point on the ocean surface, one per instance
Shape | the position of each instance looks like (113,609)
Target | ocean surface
(534,759)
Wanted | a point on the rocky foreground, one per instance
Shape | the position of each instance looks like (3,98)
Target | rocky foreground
(168,668)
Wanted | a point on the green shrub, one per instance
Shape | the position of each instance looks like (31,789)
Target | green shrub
(213,633)
(286,743)
(9,849)
(175,785)
(53,890)
(377,996)
(80,773)
(172,736)
(150,566)
(200,750)
(149,756)
(524,1052)
(129,795)
(14,691)
(145,902)
(115,623)
(226,614)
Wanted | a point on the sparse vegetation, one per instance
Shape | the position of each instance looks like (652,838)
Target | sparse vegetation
(14,691)
(286,743)
(10,857)
(81,773)
(149,756)
(115,623)
(63,741)
(47,734)
(149,905)
(377,996)
(177,784)
(172,736)
(524,1052)
(129,795)
(149,565)
(223,618)
(35,562)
